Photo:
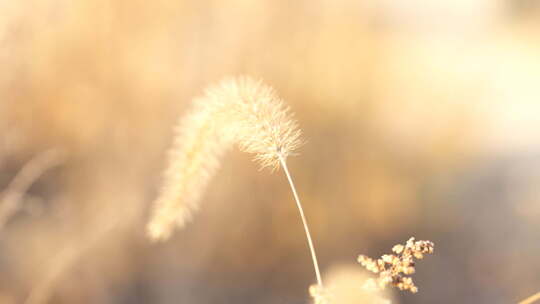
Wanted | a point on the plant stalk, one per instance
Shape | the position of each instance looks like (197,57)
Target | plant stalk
(308,235)
(531,299)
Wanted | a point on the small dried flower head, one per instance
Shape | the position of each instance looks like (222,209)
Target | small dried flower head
(393,269)
(369,263)
(398,248)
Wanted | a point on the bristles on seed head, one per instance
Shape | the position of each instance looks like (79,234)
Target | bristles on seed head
(237,110)
(265,125)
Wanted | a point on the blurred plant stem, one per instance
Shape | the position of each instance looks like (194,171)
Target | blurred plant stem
(531,299)
(65,259)
(11,197)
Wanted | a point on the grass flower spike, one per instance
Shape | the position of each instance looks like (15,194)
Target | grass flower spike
(238,111)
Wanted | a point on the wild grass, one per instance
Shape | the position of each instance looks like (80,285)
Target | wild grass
(248,113)
(237,110)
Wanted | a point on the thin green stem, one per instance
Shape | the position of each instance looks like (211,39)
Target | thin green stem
(308,235)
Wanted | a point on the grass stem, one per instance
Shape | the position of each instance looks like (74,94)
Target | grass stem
(531,299)
(306,228)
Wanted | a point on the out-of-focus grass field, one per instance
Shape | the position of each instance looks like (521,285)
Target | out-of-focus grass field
(421,119)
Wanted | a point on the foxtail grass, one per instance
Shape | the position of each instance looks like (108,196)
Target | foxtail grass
(237,111)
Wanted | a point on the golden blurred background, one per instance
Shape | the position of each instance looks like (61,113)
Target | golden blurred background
(421,117)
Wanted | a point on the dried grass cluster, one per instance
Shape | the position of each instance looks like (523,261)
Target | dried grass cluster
(394,268)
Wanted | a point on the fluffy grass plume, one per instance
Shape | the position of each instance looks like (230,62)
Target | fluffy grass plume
(240,111)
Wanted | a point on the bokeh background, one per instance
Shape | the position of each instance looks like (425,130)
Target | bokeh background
(422,119)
